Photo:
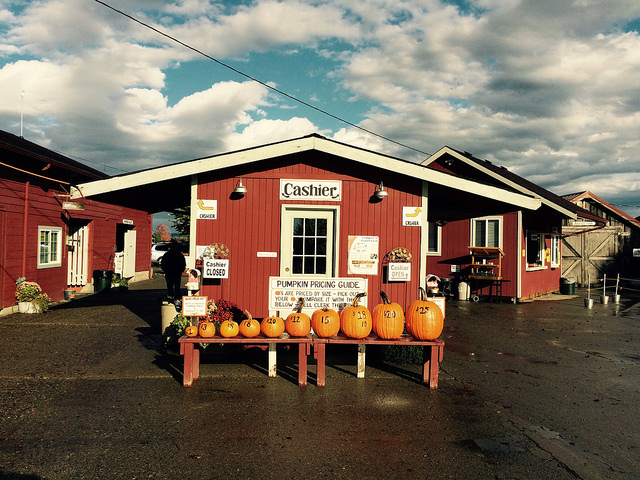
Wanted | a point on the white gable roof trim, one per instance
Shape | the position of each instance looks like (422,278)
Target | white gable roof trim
(248,156)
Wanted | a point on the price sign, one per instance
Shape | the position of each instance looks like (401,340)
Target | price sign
(215,268)
(195,306)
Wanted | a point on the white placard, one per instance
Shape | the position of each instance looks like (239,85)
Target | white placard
(267,254)
(194,306)
(411,217)
(284,292)
(215,268)
(636,252)
(439,301)
(207,209)
(363,255)
(398,272)
(317,190)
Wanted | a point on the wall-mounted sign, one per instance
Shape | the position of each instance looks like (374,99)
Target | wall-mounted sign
(411,217)
(363,255)
(284,292)
(215,268)
(398,272)
(636,252)
(194,306)
(126,221)
(207,209)
(72,206)
(582,223)
(267,254)
(316,190)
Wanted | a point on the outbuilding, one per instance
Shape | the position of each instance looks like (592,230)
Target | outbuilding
(308,217)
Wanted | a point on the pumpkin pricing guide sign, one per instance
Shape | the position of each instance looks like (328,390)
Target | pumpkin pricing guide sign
(334,292)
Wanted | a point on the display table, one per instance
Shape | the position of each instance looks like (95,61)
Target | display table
(192,355)
(433,351)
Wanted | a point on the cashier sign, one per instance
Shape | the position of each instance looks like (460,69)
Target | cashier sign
(215,268)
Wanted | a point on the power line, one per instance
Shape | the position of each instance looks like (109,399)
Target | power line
(254,79)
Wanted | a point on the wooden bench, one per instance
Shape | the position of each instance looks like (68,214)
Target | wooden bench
(433,352)
(192,355)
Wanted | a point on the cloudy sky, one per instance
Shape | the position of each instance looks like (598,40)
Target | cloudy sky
(548,88)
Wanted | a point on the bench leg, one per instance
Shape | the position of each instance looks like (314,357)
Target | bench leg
(302,363)
(187,350)
(362,348)
(431,357)
(319,355)
(271,355)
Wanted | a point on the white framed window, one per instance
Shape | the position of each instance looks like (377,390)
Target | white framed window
(486,232)
(555,251)
(49,247)
(434,234)
(535,251)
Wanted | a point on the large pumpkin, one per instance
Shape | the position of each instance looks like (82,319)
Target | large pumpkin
(272,327)
(229,329)
(325,322)
(355,320)
(424,319)
(207,330)
(388,319)
(192,331)
(298,324)
(249,327)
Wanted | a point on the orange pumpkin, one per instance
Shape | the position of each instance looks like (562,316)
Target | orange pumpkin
(325,322)
(207,330)
(249,327)
(355,320)
(229,329)
(298,324)
(424,319)
(388,319)
(191,331)
(272,327)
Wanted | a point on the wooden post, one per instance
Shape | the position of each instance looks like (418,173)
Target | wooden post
(273,367)
(361,359)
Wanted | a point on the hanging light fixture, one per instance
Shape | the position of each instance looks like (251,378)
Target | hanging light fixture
(381,193)
(240,189)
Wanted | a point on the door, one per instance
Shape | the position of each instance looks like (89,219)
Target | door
(78,258)
(308,242)
(129,265)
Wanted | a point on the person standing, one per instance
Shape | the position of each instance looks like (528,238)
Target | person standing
(173,264)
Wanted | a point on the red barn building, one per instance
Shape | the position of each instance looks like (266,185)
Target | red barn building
(56,242)
(309,217)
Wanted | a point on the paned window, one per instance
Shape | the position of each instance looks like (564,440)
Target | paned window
(49,247)
(309,246)
(485,232)
(433,246)
(535,250)
(555,251)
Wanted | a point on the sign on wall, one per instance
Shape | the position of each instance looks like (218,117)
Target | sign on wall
(398,272)
(284,292)
(363,255)
(316,190)
(194,306)
(215,268)
(207,209)
(411,217)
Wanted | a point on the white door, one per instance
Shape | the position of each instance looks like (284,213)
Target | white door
(78,257)
(308,242)
(129,266)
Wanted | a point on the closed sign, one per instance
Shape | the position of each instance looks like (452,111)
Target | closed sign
(215,268)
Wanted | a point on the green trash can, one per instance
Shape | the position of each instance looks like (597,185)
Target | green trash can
(568,285)
(102,280)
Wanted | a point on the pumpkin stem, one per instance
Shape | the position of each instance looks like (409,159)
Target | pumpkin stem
(385,299)
(300,305)
(422,293)
(249,317)
(357,298)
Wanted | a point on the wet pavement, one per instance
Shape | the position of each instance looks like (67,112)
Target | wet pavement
(542,390)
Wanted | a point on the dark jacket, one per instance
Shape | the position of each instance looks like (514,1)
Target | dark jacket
(173,262)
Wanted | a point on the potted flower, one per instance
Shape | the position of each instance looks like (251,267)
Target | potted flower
(30,297)
(120,283)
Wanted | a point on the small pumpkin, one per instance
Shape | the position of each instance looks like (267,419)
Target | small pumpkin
(272,327)
(298,324)
(388,319)
(249,327)
(424,319)
(355,320)
(206,330)
(191,331)
(229,329)
(325,322)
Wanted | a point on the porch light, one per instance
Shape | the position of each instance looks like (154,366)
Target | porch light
(240,189)
(381,193)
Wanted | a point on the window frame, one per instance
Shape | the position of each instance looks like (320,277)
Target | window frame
(486,220)
(555,251)
(49,263)
(438,249)
(542,246)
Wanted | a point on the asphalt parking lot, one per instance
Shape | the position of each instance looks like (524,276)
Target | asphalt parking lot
(542,390)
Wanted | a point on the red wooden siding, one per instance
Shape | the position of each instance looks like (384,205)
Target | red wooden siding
(252,224)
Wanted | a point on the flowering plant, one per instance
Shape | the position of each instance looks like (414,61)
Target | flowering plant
(223,310)
(27,291)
